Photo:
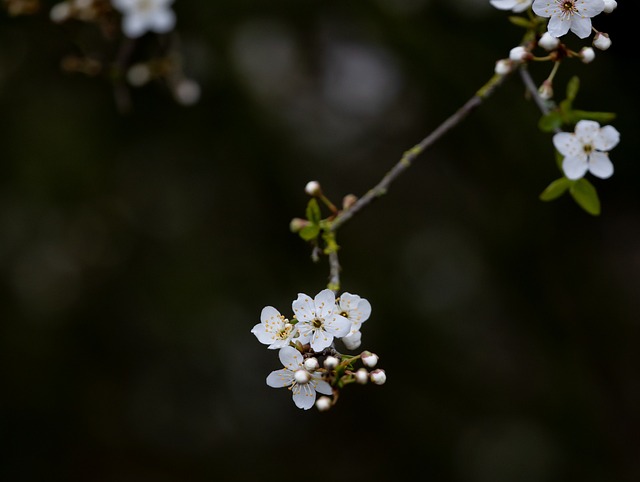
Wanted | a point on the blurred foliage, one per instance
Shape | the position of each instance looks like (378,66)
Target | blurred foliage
(137,250)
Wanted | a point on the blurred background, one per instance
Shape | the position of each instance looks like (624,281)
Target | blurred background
(138,248)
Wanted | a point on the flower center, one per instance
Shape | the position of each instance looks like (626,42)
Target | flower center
(283,334)
(145,5)
(568,7)
(587,148)
(317,323)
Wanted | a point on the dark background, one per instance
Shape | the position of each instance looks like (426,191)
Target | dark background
(137,250)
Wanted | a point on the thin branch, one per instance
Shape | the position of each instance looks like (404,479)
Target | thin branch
(533,90)
(410,155)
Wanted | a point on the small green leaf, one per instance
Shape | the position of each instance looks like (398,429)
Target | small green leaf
(572,88)
(555,189)
(520,21)
(313,211)
(601,117)
(310,232)
(550,122)
(586,196)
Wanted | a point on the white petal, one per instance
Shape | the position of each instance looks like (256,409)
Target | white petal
(134,25)
(544,8)
(321,340)
(280,378)
(322,387)
(325,303)
(163,21)
(290,357)
(263,336)
(558,26)
(568,144)
(575,167)
(581,26)
(305,397)
(348,301)
(337,325)
(607,139)
(303,308)
(587,131)
(271,318)
(600,165)
(590,8)
(361,313)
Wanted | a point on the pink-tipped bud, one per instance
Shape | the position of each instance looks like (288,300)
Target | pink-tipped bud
(378,376)
(601,41)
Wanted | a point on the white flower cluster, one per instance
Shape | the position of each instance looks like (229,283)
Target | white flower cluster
(310,335)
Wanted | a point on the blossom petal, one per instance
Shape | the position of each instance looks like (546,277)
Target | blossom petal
(337,325)
(581,26)
(320,340)
(325,303)
(607,138)
(263,335)
(163,21)
(587,131)
(575,167)
(590,8)
(322,386)
(290,357)
(305,397)
(600,165)
(280,378)
(568,144)
(271,318)
(544,8)
(303,308)
(558,25)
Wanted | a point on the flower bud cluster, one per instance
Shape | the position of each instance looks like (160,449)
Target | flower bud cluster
(306,347)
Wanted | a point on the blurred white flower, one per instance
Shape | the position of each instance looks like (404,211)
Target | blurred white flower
(514,5)
(142,16)
(565,15)
(586,149)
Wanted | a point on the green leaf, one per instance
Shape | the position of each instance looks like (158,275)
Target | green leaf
(520,21)
(586,196)
(601,117)
(550,122)
(310,232)
(555,189)
(313,212)
(572,88)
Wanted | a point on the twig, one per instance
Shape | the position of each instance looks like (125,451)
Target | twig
(410,155)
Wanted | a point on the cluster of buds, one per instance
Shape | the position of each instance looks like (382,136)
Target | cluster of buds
(307,351)
(123,23)
(564,16)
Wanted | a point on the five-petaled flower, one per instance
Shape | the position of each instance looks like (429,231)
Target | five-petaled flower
(586,149)
(357,310)
(303,384)
(319,320)
(142,16)
(274,329)
(565,15)
(514,5)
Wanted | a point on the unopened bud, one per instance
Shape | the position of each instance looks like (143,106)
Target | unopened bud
(297,224)
(548,42)
(311,364)
(331,362)
(362,376)
(518,54)
(369,359)
(323,404)
(378,376)
(503,66)
(348,201)
(313,188)
(601,41)
(546,90)
(587,54)
(302,376)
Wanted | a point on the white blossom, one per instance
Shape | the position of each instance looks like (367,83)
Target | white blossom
(518,54)
(356,309)
(586,149)
(610,6)
(514,5)
(303,385)
(503,66)
(142,16)
(319,321)
(323,404)
(274,329)
(378,376)
(565,15)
